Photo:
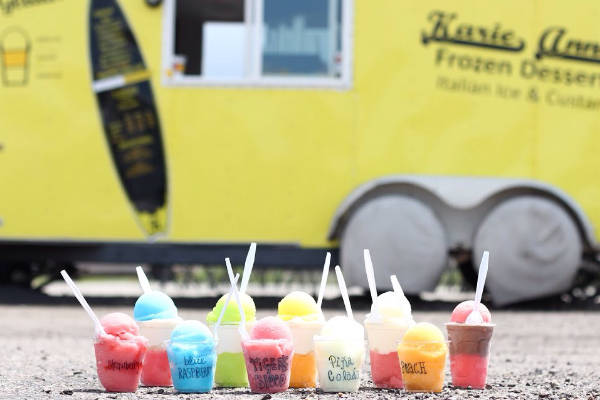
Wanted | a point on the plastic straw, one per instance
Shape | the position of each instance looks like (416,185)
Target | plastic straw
(344,291)
(324,280)
(370,276)
(396,285)
(242,327)
(143,280)
(475,316)
(97,325)
(248,267)
(215,328)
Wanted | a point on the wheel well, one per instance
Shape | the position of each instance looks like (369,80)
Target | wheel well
(405,189)
(446,211)
(515,192)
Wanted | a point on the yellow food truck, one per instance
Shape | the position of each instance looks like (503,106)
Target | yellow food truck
(177,131)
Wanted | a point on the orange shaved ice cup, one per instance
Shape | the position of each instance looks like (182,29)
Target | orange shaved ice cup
(422,352)
(423,365)
(304,371)
(304,367)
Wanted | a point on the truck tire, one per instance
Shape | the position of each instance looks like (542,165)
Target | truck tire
(404,237)
(535,249)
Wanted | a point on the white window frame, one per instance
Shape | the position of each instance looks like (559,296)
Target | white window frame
(254,12)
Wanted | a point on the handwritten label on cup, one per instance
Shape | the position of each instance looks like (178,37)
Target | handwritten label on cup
(195,367)
(113,365)
(417,368)
(269,372)
(342,369)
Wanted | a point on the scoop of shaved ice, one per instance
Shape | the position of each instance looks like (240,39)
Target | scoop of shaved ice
(462,311)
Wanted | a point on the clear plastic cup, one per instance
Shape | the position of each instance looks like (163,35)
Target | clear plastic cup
(269,364)
(383,351)
(156,370)
(119,362)
(339,363)
(230,370)
(192,365)
(304,366)
(423,365)
(469,353)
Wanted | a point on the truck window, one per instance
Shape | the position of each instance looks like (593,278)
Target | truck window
(257,42)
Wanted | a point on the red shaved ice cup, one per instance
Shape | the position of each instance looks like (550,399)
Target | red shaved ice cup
(385,365)
(470,333)
(269,364)
(119,349)
(119,363)
(469,353)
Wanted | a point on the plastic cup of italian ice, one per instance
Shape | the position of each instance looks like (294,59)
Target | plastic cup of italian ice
(470,332)
(469,354)
(156,315)
(120,353)
(231,366)
(422,354)
(268,353)
(469,346)
(340,353)
(387,323)
(192,357)
(305,320)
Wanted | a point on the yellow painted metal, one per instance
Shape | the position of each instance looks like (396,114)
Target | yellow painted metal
(272,164)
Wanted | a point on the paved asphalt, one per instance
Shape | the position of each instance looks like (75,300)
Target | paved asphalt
(47,353)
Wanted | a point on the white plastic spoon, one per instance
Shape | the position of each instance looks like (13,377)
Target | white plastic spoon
(371,280)
(344,291)
(475,316)
(248,267)
(143,280)
(97,325)
(242,327)
(216,327)
(324,280)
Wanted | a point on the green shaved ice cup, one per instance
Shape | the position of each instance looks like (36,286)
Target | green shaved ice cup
(232,314)
(231,370)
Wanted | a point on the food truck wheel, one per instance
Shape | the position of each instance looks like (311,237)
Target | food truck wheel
(404,237)
(535,249)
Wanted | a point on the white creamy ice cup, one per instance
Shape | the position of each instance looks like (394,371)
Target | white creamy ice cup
(339,363)
(340,353)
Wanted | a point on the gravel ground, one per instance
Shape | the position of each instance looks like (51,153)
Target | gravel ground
(47,353)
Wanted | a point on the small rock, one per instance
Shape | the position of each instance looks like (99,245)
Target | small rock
(79,372)
(161,391)
(67,392)
(266,397)
(538,371)
(554,385)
